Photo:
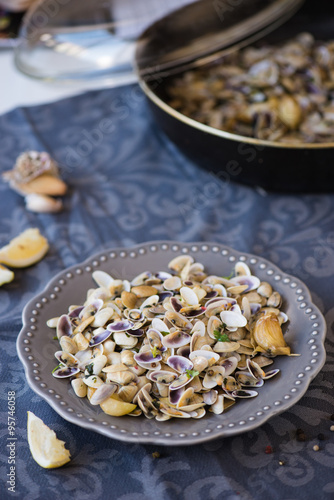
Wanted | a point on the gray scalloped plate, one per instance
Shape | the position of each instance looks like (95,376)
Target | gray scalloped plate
(305,333)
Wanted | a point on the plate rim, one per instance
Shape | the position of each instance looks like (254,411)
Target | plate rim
(151,438)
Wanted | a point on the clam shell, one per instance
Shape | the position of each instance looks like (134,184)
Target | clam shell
(189,296)
(178,263)
(241,269)
(233,319)
(102,279)
(102,393)
(143,291)
(173,283)
(120,326)
(176,339)
(162,377)
(243,394)
(99,338)
(181,381)
(213,376)
(66,358)
(179,363)
(66,371)
(64,327)
(94,381)
(79,387)
(129,299)
(102,317)
(68,344)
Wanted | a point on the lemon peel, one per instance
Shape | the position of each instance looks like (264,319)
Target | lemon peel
(46,449)
(26,249)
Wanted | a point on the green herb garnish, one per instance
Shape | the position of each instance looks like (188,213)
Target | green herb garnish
(220,337)
(228,277)
(164,333)
(192,373)
(89,369)
(59,366)
(155,351)
(55,338)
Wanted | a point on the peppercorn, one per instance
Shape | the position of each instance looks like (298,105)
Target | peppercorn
(316,447)
(332,417)
(321,436)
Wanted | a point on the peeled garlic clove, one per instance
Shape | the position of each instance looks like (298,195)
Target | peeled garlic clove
(268,335)
(42,204)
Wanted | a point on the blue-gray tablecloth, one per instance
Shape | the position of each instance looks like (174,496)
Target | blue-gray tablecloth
(129,184)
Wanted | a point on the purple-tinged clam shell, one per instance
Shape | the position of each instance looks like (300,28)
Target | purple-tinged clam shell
(139,332)
(146,358)
(163,295)
(96,305)
(176,304)
(194,312)
(162,377)
(245,379)
(179,363)
(271,373)
(162,275)
(252,282)
(67,359)
(254,369)
(211,295)
(102,393)
(242,393)
(135,315)
(188,283)
(175,395)
(120,326)
(99,338)
(230,365)
(65,372)
(223,300)
(184,351)
(64,327)
(76,312)
(176,339)
(254,307)
(181,381)
(210,397)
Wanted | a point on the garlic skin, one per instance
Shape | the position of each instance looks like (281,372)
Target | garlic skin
(268,336)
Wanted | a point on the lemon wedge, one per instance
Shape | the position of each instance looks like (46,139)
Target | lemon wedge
(48,451)
(115,407)
(6,276)
(24,250)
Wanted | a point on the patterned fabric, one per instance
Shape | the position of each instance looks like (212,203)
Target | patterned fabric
(129,184)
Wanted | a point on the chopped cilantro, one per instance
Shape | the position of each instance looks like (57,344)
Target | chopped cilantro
(164,333)
(220,337)
(55,338)
(192,373)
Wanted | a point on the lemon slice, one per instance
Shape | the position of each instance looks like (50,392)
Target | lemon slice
(113,406)
(24,250)
(48,451)
(6,276)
